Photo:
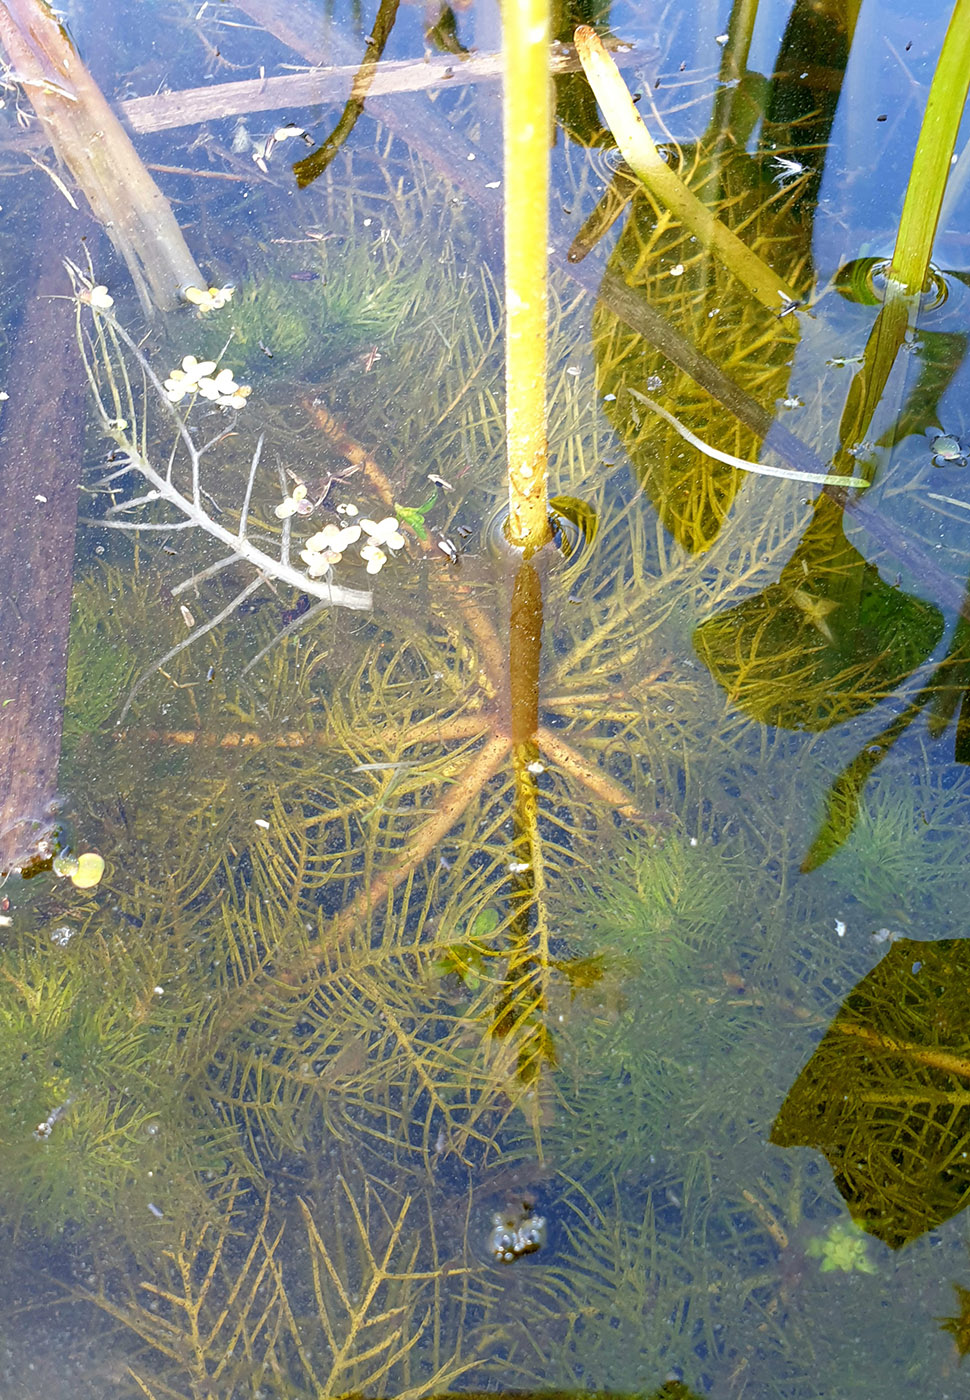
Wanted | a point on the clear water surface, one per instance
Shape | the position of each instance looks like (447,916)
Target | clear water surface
(393,1053)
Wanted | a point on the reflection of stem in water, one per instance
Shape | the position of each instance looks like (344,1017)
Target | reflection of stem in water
(724,125)
(932,1056)
(665,184)
(307,170)
(498,724)
(844,798)
(522,1000)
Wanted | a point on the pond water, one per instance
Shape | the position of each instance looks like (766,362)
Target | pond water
(400,1049)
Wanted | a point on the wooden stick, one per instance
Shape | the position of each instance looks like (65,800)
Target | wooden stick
(41,443)
(97,150)
(164,110)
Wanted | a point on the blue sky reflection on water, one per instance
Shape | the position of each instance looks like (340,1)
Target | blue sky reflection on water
(338,1024)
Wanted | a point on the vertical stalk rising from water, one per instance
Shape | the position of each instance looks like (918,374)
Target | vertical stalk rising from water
(527,113)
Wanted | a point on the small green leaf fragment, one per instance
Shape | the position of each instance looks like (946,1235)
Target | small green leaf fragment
(413,516)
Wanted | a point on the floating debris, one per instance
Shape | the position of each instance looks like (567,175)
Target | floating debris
(516,1233)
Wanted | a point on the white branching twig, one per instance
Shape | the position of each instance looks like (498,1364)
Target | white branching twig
(107,350)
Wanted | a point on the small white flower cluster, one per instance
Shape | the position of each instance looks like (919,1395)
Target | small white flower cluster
(328,546)
(100,299)
(203,377)
(380,532)
(208,298)
(294,504)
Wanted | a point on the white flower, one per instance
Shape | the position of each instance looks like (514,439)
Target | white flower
(297,504)
(187,379)
(334,537)
(327,547)
(318,564)
(223,389)
(100,300)
(215,386)
(177,388)
(376,558)
(208,299)
(384,532)
(348,510)
(194,370)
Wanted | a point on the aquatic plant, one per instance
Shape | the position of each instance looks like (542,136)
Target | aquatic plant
(646,162)
(314,851)
(691,492)
(307,311)
(100,663)
(959,1326)
(903,857)
(239,1301)
(843,1249)
(629,1290)
(825,641)
(96,1124)
(883,1094)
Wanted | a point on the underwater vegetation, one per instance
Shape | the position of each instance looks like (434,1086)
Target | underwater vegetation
(308,311)
(310,1014)
(905,853)
(342,1294)
(824,642)
(95,1124)
(100,663)
(691,493)
(883,1093)
(314,1030)
(843,1248)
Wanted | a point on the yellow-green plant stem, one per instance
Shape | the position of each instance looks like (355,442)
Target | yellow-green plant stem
(642,156)
(908,270)
(527,113)
(934,152)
